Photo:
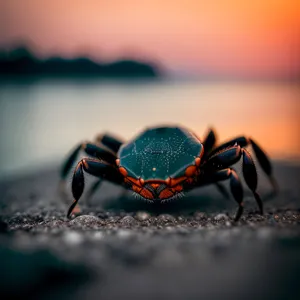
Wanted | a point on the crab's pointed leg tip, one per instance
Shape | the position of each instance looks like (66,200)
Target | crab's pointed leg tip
(73,210)
(76,210)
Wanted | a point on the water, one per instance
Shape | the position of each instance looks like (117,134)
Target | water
(41,121)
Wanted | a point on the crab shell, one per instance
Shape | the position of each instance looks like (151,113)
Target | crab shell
(157,162)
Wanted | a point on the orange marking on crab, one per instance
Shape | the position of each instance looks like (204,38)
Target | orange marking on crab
(168,181)
(117,162)
(175,181)
(76,210)
(201,153)
(190,171)
(197,161)
(167,193)
(136,189)
(177,188)
(143,192)
(146,194)
(123,171)
(134,181)
(155,185)
(85,164)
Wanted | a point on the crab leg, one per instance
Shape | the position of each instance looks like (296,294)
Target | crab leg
(222,159)
(208,144)
(235,187)
(95,168)
(114,145)
(90,149)
(230,156)
(93,150)
(109,141)
(259,153)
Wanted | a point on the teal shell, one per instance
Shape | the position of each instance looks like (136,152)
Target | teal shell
(159,153)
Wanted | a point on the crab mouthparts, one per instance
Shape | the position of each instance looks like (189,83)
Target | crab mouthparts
(157,192)
(155,189)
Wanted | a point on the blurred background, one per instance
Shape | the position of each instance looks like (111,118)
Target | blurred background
(70,70)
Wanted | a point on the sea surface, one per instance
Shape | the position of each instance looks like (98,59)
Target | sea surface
(41,121)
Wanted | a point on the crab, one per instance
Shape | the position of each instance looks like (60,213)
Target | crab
(162,163)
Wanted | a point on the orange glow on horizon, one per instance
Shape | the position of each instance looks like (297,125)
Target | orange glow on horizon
(223,37)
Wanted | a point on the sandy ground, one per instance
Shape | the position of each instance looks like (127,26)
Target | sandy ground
(122,248)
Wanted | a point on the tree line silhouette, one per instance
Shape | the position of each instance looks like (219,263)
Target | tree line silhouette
(21,62)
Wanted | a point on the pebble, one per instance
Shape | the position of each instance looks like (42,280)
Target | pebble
(54,223)
(128,221)
(85,219)
(112,219)
(200,215)
(142,216)
(165,218)
(221,217)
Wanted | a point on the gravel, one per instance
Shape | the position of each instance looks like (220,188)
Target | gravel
(118,247)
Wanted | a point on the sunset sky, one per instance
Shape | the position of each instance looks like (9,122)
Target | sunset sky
(225,37)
